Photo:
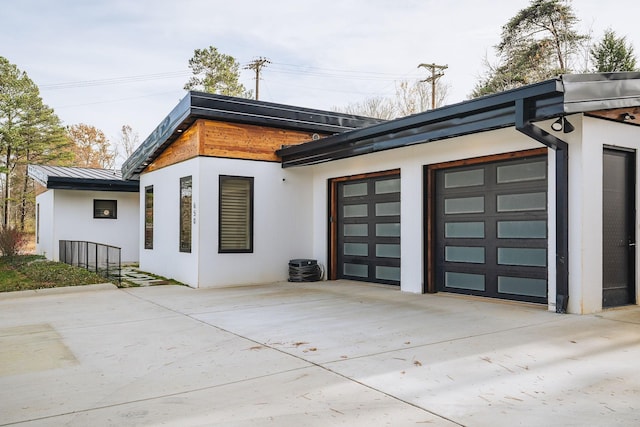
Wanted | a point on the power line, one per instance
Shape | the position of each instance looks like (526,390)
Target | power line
(115,80)
(257,65)
(436,73)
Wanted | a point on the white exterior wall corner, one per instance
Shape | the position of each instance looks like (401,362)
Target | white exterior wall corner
(45,243)
(410,161)
(282,226)
(68,215)
(587,183)
(165,259)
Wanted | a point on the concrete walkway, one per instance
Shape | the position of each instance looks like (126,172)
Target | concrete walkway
(318,354)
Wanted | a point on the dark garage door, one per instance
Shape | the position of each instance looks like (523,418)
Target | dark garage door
(368,229)
(491,230)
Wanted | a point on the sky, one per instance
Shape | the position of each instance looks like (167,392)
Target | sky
(109,63)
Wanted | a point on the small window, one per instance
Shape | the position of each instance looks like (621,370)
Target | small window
(148,217)
(185,214)
(105,209)
(235,227)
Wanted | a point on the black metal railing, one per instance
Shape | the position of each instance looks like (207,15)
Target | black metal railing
(97,257)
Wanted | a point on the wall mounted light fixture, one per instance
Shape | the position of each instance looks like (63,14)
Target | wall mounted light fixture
(562,124)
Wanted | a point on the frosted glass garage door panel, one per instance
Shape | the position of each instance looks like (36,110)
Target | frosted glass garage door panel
(354,190)
(388,273)
(522,172)
(387,186)
(467,178)
(464,205)
(532,257)
(522,202)
(384,250)
(388,230)
(388,209)
(522,229)
(474,282)
(356,249)
(356,230)
(358,270)
(464,254)
(464,230)
(356,211)
(522,286)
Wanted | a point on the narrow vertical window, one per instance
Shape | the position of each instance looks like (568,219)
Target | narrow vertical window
(235,227)
(148,217)
(38,223)
(185,214)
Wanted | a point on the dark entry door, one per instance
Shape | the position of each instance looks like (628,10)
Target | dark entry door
(368,229)
(618,236)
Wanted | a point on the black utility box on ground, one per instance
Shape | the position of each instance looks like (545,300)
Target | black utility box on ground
(304,270)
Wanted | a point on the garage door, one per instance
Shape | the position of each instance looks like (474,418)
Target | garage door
(368,229)
(491,229)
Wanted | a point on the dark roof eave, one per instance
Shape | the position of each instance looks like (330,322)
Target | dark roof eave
(64,183)
(478,115)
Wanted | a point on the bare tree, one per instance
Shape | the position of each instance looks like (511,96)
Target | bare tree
(378,107)
(411,97)
(128,141)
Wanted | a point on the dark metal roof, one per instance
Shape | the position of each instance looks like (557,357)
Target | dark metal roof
(552,98)
(73,178)
(197,105)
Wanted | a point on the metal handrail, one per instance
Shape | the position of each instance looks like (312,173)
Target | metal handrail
(102,259)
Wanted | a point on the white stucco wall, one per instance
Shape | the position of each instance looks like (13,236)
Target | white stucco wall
(410,161)
(68,215)
(45,243)
(165,258)
(585,205)
(282,223)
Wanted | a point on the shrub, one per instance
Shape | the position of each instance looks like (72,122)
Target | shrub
(11,241)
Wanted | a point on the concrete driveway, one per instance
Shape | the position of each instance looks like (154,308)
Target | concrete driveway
(318,354)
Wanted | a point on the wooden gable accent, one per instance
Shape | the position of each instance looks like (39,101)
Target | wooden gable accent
(228,140)
(184,148)
(250,142)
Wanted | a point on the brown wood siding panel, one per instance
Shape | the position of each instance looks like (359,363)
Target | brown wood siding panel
(619,115)
(184,148)
(250,142)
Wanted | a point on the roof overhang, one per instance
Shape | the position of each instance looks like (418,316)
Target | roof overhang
(52,177)
(567,94)
(200,105)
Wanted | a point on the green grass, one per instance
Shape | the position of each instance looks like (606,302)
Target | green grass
(27,272)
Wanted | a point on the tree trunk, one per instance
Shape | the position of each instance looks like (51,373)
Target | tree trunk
(23,201)
(5,219)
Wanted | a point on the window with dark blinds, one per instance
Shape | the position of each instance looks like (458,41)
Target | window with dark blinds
(185,214)
(235,230)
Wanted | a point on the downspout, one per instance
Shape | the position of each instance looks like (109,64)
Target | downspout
(561,148)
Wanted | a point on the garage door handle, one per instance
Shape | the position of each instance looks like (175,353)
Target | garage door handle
(632,244)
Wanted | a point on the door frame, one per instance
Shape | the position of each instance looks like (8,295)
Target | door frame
(632,181)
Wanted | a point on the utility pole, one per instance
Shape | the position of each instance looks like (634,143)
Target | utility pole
(257,65)
(436,73)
